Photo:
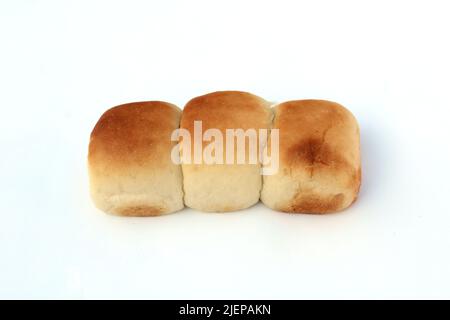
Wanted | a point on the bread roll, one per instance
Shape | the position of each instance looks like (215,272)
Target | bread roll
(320,169)
(130,167)
(224,187)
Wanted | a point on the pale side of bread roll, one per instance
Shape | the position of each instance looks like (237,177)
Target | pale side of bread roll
(224,187)
(320,168)
(130,167)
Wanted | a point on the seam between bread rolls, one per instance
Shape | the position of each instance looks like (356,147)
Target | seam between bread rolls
(272,117)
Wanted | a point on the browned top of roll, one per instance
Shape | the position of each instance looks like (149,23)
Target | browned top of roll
(316,132)
(133,134)
(226,110)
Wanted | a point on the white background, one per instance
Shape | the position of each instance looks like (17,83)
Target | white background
(62,63)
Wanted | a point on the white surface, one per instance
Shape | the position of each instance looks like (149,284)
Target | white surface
(62,63)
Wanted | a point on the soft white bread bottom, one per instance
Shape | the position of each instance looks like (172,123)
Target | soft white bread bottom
(216,188)
(130,168)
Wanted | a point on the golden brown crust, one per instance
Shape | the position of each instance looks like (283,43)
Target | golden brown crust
(226,109)
(307,132)
(132,134)
(140,211)
(316,204)
(319,157)
(130,168)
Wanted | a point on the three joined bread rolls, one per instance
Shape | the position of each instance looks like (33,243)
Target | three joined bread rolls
(150,158)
